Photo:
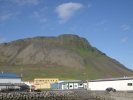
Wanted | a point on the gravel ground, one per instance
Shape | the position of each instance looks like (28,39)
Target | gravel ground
(66,95)
(46,95)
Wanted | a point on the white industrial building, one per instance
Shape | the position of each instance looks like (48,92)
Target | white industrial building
(8,81)
(118,84)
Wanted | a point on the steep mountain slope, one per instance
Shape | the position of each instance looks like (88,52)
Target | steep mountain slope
(65,56)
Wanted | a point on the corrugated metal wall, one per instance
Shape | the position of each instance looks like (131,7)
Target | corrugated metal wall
(10,80)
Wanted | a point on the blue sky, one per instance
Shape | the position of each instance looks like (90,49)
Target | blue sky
(106,24)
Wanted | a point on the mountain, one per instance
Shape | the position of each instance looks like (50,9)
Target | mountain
(66,56)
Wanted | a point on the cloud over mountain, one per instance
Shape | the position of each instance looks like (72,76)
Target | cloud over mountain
(67,10)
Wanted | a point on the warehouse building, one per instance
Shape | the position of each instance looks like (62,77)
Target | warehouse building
(69,84)
(111,84)
(10,81)
(44,83)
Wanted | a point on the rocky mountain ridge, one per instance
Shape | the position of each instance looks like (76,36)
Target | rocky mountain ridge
(65,51)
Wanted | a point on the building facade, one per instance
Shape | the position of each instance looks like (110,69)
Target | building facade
(8,81)
(118,84)
(44,83)
(69,84)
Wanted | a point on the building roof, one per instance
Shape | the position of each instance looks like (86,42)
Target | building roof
(46,79)
(8,75)
(12,84)
(70,81)
(113,79)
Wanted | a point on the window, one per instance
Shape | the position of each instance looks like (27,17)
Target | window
(129,84)
(75,86)
(70,86)
(80,84)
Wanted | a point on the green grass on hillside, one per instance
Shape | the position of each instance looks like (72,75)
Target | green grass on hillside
(95,66)
(31,72)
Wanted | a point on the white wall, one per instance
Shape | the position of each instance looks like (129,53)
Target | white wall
(10,80)
(85,85)
(120,85)
(73,86)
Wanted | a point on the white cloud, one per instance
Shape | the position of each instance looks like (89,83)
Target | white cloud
(43,20)
(4,17)
(102,22)
(8,15)
(36,14)
(67,10)
(125,27)
(39,16)
(124,40)
(25,2)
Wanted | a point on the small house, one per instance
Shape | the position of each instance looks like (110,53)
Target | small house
(44,83)
(69,84)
